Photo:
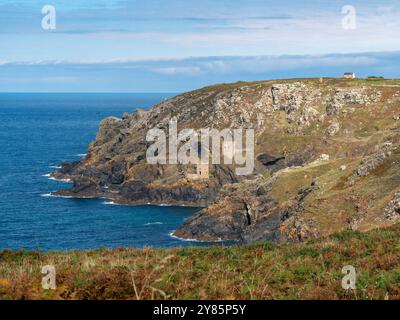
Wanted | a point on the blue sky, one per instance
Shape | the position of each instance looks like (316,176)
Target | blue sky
(178,45)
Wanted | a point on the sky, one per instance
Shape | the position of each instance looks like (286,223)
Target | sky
(179,45)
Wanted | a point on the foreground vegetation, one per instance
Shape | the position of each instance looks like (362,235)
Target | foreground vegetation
(310,270)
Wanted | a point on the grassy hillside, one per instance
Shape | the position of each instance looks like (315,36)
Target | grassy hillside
(310,270)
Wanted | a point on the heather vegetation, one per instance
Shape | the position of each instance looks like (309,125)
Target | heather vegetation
(310,270)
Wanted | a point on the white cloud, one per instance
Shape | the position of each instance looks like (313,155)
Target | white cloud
(178,70)
(220,64)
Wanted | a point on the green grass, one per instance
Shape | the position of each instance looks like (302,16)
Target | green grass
(309,270)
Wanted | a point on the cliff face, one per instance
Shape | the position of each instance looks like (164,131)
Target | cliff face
(327,158)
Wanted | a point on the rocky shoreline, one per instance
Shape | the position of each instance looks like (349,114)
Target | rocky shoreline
(327,159)
(121,201)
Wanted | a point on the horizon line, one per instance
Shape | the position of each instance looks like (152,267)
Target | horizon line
(86,92)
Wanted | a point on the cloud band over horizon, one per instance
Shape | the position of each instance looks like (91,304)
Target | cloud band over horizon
(177,75)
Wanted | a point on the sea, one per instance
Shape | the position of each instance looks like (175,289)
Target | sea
(38,132)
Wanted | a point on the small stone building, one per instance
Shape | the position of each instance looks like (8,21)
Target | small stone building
(202,172)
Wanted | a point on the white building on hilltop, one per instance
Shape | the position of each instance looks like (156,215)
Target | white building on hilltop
(349,75)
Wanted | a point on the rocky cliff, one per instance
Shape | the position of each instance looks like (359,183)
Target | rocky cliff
(327,159)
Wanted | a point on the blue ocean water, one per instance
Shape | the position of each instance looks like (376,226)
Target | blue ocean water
(40,131)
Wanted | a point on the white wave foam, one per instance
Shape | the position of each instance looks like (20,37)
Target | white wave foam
(171,234)
(158,204)
(191,240)
(65,197)
(48,175)
(152,223)
(46,195)
(55,167)
(81,155)
(55,196)
(111,203)
(164,205)
(61,180)
(137,204)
